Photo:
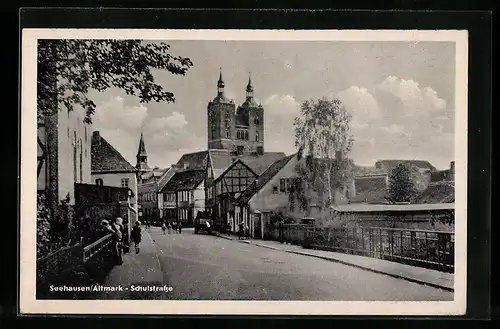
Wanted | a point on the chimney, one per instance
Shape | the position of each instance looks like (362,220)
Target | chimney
(452,170)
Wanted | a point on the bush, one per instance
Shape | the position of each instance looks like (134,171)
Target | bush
(53,225)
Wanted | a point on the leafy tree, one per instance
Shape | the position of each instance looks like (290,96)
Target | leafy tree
(401,185)
(323,136)
(68,69)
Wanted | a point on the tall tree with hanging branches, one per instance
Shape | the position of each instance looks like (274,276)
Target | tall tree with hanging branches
(323,135)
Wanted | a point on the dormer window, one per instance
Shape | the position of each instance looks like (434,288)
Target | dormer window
(186,165)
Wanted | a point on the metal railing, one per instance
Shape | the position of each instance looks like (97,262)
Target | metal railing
(423,248)
(96,247)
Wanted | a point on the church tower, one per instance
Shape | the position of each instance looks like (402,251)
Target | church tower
(220,119)
(250,123)
(142,158)
(238,130)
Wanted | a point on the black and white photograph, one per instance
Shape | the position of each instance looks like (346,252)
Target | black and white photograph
(251,172)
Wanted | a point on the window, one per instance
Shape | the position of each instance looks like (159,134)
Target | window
(246,135)
(239,149)
(260,150)
(99,182)
(282,184)
(275,189)
(256,120)
(228,134)
(256,136)
(125,182)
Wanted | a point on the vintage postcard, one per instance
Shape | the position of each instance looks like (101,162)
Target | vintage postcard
(250,172)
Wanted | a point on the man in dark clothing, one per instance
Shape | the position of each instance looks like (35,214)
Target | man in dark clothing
(136,236)
(179,226)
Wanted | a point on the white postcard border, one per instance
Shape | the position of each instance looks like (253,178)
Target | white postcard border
(28,302)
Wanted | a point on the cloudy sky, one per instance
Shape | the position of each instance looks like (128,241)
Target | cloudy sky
(401,96)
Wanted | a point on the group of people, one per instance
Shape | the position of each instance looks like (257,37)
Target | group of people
(120,242)
(175,227)
(243,230)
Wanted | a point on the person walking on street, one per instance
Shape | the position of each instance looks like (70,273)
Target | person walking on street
(229,229)
(163,228)
(136,236)
(241,233)
(118,243)
(174,227)
(169,226)
(179,226)
(247,232)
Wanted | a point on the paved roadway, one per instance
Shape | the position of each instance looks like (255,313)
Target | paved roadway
(210,268)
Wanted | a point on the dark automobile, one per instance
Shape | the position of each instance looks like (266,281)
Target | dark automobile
(203,223)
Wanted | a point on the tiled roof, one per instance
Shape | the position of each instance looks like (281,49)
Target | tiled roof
(263,179)
(367,170)
(195,160)
(390,164)
(393,207)
(436,193)
(185,180)
(441,175)
(105,158)
(222,159)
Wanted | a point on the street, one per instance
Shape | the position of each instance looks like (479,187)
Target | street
(203,267)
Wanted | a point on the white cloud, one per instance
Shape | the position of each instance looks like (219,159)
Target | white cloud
(280,112)
(360,103)
(114,114)
(399,119)
(413,99)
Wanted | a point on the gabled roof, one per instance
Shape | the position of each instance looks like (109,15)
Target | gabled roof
(436,193)
(441,175)
(390,164)
(195,160)
(263,179)
(184,181)
(220,160)
(105,158)
(368,170)
(231,166)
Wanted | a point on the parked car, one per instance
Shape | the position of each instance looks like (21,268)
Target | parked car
(203,223)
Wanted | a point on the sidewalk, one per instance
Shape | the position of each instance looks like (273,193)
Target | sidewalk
(420,275)
(141,269)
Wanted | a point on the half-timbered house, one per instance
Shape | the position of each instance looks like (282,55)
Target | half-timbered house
(184,196)
(239,175)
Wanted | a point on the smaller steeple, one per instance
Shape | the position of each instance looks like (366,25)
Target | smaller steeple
(249,87)
(141,152)
(220,83)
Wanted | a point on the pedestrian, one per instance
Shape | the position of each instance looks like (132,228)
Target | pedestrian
(163,228)
(174,227)
(148,225)
(117,228)
(169,226)
(136,236)
(229,229)
(179,226)
(247,232)
(241,229)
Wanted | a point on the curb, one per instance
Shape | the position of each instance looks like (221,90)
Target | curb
(434,285)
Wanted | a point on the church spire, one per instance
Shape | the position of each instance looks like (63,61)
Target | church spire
(249,87)
(220,83)
(141,152)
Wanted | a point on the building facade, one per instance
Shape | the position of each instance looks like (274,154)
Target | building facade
(184,196)
(64,143)
(238,129)
(110,168)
